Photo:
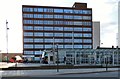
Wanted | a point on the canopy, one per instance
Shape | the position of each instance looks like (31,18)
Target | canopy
(18,57)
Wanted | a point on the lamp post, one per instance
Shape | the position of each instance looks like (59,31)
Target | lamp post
(7,38)
(106,58)
(57,58)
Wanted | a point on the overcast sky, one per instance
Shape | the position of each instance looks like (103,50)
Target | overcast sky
(105,11)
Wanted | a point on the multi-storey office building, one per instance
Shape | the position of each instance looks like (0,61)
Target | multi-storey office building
(46,26)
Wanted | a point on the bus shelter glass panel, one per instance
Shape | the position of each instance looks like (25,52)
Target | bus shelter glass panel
(70,57)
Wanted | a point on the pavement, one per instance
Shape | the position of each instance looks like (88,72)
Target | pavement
(6,65)
(47,72)
(53,72)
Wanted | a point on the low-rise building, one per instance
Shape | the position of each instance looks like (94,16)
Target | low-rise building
(4,56)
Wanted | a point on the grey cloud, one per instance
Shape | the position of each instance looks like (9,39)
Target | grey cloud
(110,27)
(109,24)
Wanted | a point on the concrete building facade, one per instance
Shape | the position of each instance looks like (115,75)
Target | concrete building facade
(96,34)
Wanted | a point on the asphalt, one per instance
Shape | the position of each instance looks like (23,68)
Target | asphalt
(59,78)
(53,72)
(36,66)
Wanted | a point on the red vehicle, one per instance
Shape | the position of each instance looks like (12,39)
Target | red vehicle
(13,60)
(16,59)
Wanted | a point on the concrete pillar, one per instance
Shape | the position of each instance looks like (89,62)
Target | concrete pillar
(95,57)
(80,58)
(48,58)
(113,58)
(75,58)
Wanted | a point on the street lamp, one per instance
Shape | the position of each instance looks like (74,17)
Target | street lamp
(106,58)
(7,38)
(57,58)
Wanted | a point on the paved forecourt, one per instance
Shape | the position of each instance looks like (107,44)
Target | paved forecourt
(50,72)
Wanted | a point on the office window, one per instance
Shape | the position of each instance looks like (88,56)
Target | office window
(38,46)
(38,34)
(28,33)
(28,39)
(28,52)
(48,28)
(35,9)
(87,23)
(58,28)
(48,46)
(48,16)
(87,29)
(58,10)
(48,10)
(38,21)
(87,40)
(68,11)
(38,40)
(28,21)
(28,15)
(58,16)
(38,27)
(38,15)
(68,34)
(86,17)
(77,40)
(68,22)
(49,40)
(78,17)
(68,17)
(77,46)
(25,9)
(48,34)
(68,46)
(28,27)
(78,11)
(87,46)
(77,29)
(68,29)
(38,53)
(28,45)
(68,40)
(58,34)
(58,40)
(87,12)
(77,34)
(60,46)
(48,22)
(87,35)
(40,9)
(77,23)
(58,22)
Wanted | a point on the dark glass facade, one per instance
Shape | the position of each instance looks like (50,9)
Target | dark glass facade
(46,26)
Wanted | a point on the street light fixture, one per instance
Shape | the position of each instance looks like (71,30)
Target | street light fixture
(7,38)
(57,58)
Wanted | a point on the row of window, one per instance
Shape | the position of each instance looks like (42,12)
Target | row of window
(31,46)
(37,40)
(26,9)
(56,16)
(58,34)
(51,22)
(56,28)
